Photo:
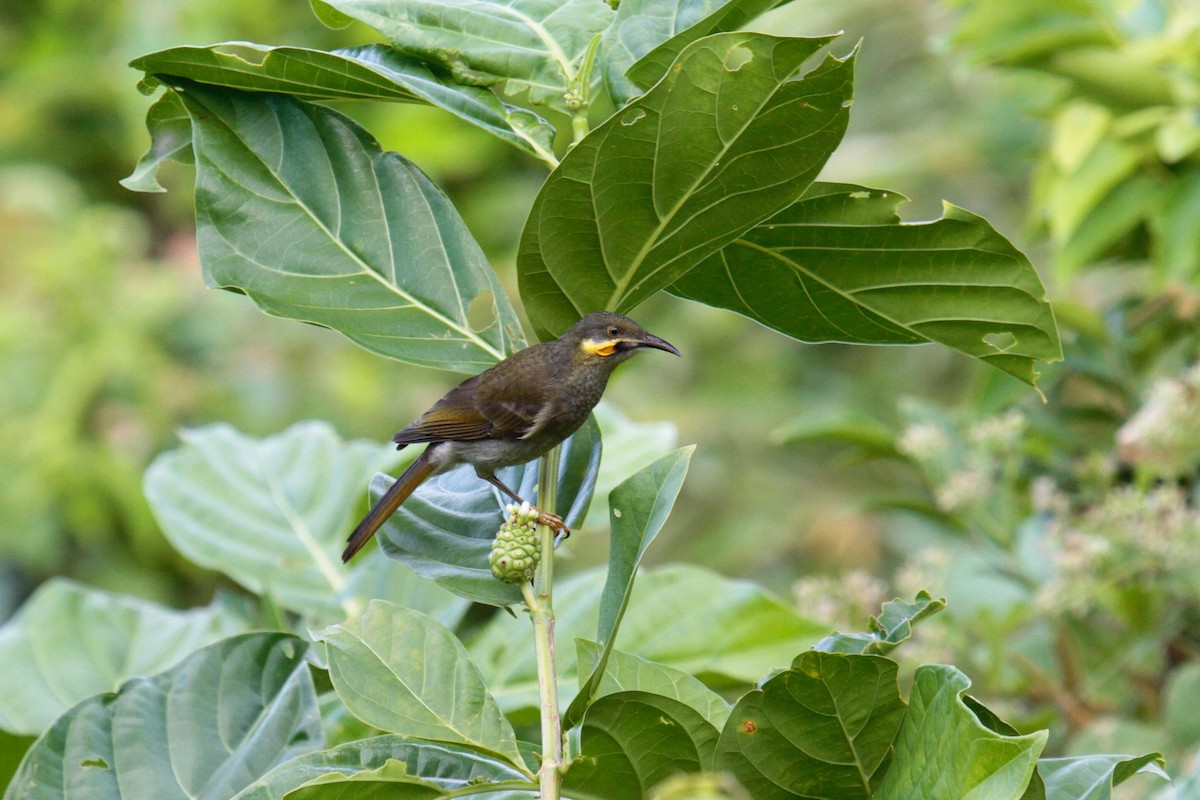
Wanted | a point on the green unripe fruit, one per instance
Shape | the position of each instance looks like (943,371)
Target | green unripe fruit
(516,548)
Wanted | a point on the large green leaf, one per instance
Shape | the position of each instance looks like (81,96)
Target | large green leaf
(638,508)
(299,208)
(401,671)
(531,47)
(204,730)
(69,642)
(374,72)
(823,728)
(653,33)
(631,741)
(944,752)
(730,137)
(445,530)
(838,265)
(273,514)
(1093,777)
(725,632)
(628,447)
(388,760)
(629,673)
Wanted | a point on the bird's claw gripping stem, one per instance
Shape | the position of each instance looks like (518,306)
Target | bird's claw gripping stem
(554,522)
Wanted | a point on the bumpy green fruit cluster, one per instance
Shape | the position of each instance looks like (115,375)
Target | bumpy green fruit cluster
(515,550)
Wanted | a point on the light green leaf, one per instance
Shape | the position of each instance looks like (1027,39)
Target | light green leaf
(204,730)
(840,426)
(823,728)
(628,447)
(437,767)
(297,207)
(892,627)
(170,129)
(1176,239)
(527,47)
(401,671)
(723,631)
(653,33)
(69,642)
(374,72)
(728,139)
(639,508)
(273,515)
(972,761)
(1093,777)
(839,266)
(629,673)
(631,741)
(1117,215)
(444,531)
(330,17)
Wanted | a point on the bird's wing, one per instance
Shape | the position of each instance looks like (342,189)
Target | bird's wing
(466,413)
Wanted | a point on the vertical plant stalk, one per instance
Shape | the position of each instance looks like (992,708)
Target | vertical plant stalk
(539,599)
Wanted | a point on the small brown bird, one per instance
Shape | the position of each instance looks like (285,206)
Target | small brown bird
(513,412)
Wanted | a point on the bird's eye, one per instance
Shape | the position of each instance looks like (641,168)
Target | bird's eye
(613,330)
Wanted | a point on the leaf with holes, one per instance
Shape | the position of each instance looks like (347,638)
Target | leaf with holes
(297,207)
(373,72)
(838,265)
(205,729)
(653,33)
(529,47)
(402,672)
(273,514)
(729,138)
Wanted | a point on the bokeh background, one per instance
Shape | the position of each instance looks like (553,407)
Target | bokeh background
(109,343)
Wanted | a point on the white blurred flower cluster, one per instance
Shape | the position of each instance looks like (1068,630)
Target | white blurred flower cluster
(1132,541)
(1163,437)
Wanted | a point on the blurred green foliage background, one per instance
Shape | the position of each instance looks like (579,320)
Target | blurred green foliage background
(109,343)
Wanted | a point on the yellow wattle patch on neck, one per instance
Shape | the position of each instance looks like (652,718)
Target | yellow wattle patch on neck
(602,349)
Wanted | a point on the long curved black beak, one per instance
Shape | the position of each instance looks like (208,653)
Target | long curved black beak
(650,340)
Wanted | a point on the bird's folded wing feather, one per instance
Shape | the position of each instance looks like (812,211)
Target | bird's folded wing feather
(467,413)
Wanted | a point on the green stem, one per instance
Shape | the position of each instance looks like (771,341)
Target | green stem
(538,597)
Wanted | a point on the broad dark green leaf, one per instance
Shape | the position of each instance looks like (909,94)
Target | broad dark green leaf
(373,72)
(728,139)
(823,728)
(170,128)
(1093,777)
(445,530)
(204,730)
(297,207)
(943,751)
(438,767)
(638,509)
(631,741)
(653,33)
(527,47)
(838,265)
(273,515)
(403,672)
(725,632)
(889,629)
(629,673)
(69,642)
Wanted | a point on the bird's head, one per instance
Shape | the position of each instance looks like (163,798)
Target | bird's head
(610,338)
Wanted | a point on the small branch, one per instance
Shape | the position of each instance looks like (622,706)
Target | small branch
(539,600)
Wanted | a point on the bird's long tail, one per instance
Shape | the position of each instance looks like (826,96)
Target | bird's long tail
(408,481)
